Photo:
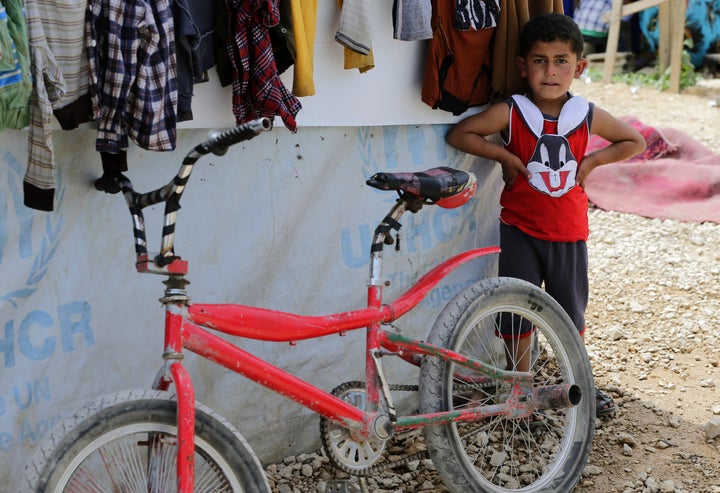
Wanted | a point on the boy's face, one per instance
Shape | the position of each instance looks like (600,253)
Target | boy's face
(550,68)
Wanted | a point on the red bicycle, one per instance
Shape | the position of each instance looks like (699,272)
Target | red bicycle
(487,427)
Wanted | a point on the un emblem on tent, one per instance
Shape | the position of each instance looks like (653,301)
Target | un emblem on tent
(27,237)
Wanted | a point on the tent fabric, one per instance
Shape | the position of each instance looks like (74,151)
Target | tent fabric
(675,178)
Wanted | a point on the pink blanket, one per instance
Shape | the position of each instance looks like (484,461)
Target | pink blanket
(675,178)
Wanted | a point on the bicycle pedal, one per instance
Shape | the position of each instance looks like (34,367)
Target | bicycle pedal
(342,486)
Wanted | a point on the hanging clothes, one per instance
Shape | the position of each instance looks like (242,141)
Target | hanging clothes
(412,20)
(355,27)
(257,90)
(60,88)
(506,79)
(15,78)
(133,73)
(354,59)
(293,43)
(475,15)
(223,67)
(457,67)
(282,38)
(195,42)
(304,22)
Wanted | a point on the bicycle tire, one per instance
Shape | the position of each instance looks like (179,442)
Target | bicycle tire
(501,454)
(79,455)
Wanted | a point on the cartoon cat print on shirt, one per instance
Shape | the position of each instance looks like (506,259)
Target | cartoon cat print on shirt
(553,166)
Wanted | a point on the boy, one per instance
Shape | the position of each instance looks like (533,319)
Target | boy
(543,218)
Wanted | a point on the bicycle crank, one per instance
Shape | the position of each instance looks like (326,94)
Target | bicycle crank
(359,458)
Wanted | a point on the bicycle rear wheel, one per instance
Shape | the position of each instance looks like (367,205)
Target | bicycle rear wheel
(127,442)
(545,452)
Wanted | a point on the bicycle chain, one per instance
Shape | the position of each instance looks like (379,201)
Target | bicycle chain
(404,388)
(370,471)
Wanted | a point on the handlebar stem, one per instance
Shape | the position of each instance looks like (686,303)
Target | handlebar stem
(216,143)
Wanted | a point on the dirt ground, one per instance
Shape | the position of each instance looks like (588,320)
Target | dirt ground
(653,328)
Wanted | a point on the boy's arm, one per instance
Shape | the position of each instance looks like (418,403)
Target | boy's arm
(624,140)
(469,135)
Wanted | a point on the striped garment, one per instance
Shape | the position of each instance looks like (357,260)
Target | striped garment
(60,78)
(133,75)
(355,26)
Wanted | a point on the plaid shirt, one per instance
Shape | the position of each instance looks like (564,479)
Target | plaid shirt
(257,88)
(131,50)
(591,17)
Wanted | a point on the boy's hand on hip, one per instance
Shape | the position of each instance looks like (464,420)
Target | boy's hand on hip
(511,169)
(583,172)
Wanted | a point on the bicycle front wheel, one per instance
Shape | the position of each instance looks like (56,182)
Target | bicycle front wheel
(128,442)
(544,452)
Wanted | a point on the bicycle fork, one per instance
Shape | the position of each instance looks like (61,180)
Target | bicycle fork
(173,371)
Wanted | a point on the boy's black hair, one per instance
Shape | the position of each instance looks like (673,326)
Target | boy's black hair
(548,28)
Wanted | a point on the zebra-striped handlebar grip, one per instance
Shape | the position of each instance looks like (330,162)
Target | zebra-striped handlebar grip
(218,142)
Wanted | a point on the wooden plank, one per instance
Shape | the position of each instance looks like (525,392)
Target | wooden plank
(677,14)
(634,7)
(612,40)
(663,50)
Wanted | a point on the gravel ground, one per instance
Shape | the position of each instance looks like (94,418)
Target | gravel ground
(653,338)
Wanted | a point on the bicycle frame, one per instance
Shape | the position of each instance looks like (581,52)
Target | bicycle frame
(191,326)
(186,327)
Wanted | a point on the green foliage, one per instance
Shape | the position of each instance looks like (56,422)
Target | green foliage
(661,80)
(656,79)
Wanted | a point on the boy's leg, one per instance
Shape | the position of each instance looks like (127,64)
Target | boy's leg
(566,279)
(567,282)
(517,353)
(519,259)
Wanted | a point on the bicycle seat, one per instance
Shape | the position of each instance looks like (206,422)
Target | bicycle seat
(446,187)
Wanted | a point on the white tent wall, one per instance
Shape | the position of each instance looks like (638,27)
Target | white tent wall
(283,221)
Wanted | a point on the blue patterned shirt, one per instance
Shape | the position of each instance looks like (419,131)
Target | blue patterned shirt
(592,16)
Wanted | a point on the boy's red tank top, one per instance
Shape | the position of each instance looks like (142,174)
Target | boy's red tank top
(550,206)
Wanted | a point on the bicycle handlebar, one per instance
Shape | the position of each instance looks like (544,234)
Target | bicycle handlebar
(216,143)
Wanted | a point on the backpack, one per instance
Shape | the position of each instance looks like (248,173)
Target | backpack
(457,67)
